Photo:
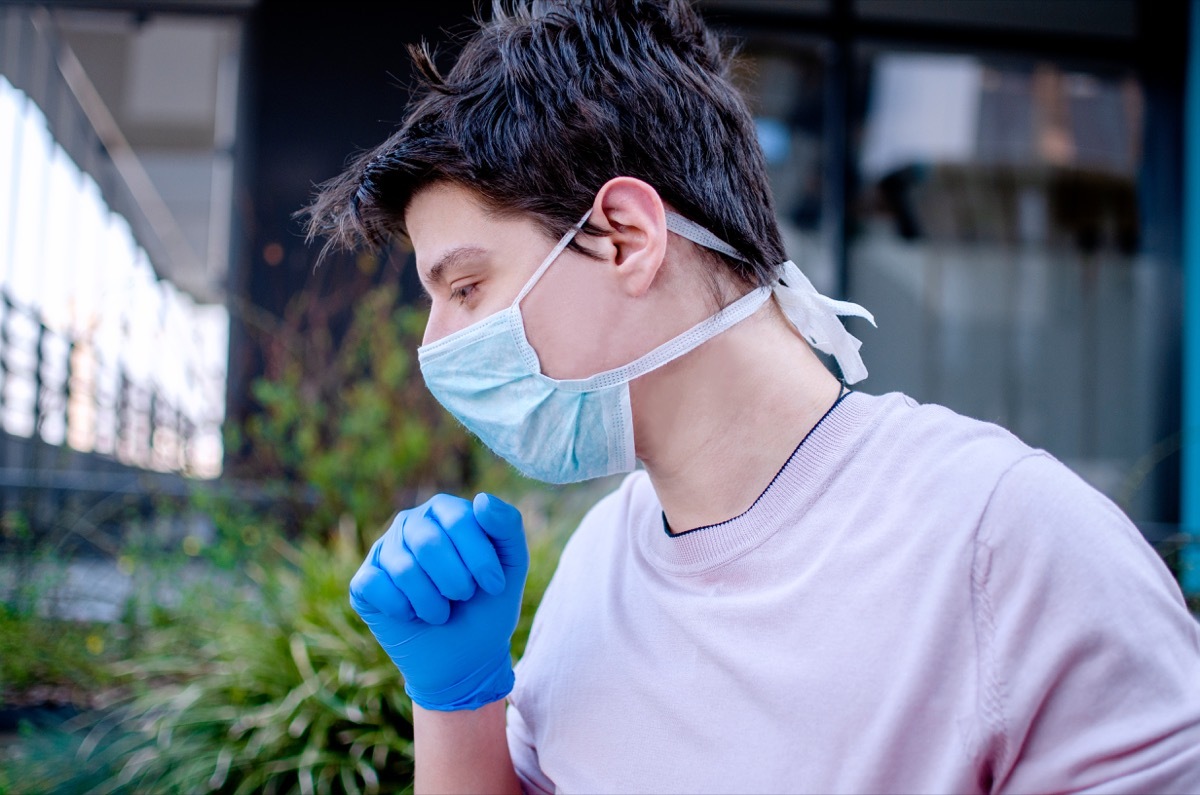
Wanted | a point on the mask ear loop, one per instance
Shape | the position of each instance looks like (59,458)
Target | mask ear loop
(700,236)
(563,242)
(676,223)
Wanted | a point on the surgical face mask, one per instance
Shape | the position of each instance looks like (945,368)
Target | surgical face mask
(560,431)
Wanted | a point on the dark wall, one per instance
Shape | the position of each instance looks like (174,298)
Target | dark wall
(321,82)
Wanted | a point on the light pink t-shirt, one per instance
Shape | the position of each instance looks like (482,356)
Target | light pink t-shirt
(918,603)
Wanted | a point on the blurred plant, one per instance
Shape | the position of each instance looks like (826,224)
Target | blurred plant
(46,661)
(346,418)
(43,660)
(241,524)
(288,693)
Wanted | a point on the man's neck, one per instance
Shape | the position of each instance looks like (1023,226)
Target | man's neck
(714,427)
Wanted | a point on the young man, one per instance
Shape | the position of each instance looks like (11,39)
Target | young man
(806,588)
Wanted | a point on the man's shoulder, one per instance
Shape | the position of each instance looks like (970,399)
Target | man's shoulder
(935,440)
(1022,492)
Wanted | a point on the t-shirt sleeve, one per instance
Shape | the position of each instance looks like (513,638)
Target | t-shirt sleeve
(1089,659)
(524,755)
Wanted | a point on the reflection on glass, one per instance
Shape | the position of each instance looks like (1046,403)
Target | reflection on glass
(784,86)
(997,240)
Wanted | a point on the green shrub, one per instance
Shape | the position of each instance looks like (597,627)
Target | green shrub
(47,660)
(287,692)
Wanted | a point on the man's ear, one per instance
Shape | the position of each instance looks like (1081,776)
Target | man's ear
(633,214)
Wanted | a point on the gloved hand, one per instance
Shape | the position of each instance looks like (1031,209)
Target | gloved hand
(441,592)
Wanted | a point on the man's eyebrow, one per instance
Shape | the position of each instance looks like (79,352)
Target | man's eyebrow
(451,259)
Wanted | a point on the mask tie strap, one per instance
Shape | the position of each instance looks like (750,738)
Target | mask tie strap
(814,315)
(671,350)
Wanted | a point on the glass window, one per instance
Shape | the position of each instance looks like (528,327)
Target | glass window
(1109,18)
(997,237)
(785,84)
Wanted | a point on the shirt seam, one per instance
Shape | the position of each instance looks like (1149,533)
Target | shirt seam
(991,698)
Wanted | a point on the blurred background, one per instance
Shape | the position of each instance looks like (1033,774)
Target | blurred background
(201,430)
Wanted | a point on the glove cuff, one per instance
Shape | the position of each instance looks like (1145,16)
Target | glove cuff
(491,682)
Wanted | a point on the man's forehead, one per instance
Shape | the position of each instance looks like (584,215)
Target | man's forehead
(441,207)
(445,226)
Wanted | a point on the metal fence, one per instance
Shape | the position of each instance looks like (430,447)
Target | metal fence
(60,390)
(84,446)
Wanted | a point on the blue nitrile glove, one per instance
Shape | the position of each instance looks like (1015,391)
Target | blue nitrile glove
(417,592)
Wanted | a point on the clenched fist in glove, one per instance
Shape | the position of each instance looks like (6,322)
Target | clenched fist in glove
(441,592)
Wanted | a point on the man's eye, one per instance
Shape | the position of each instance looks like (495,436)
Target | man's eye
(462,293)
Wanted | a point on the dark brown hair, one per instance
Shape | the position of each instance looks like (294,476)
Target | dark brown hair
(551,99)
